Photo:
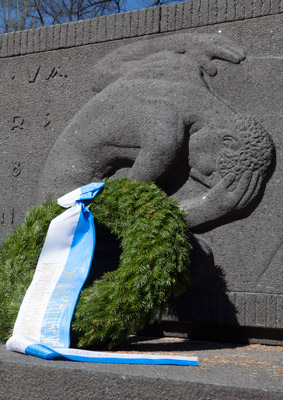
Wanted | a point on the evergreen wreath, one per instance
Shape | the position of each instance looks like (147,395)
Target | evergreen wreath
(153,264)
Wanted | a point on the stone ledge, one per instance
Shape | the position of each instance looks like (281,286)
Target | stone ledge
(226,372)
(174,17)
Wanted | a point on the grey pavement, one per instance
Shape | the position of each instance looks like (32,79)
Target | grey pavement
(226,371)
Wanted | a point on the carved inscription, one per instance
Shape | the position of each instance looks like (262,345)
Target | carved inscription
(8,217)
(16,168)
(46,120)
(32,75)
(18,123)
(56,71)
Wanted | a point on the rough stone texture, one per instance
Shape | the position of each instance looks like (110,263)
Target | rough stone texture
(152,112)
(225,371)
(49,74)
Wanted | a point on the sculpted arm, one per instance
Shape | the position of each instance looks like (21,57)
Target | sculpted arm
(202,48)
(162,135)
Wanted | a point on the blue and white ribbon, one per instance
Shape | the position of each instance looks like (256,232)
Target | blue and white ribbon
(43,323)
(30,347)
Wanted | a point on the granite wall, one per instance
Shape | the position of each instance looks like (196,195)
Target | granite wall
(49,75)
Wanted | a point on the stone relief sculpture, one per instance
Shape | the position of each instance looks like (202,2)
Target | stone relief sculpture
(154,117)
(232,162)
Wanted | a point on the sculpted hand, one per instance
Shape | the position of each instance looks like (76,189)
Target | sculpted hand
(213,47)
(221,200)
(224,200)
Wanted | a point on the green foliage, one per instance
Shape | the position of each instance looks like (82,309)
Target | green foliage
(153,264)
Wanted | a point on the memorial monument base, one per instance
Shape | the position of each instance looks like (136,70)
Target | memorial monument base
(225,371)
(187,95)
(218,333)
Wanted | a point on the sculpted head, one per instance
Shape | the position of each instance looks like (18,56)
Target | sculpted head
(255,152)
(216,151)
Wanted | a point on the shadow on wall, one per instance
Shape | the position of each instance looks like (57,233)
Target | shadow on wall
(205,301)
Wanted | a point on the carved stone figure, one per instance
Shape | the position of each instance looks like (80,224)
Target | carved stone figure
(152,112)
(233,163)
